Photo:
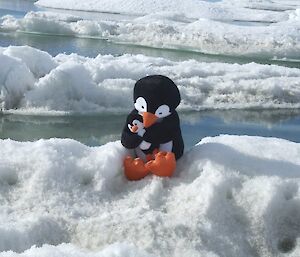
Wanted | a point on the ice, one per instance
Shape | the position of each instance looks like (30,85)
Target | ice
(273,39)
(32,81)
(220,10)
(264,28)
(230,196)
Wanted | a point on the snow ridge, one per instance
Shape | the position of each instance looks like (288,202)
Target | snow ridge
(72,83)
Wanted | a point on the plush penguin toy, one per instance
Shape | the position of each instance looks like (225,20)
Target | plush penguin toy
(152,129)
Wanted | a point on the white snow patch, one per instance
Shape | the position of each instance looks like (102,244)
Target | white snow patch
(295,15)
(72,83)
(230,196)
(68,87)
(15,80)
(39,62)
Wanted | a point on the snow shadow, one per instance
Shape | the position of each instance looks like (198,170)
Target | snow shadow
(244,163)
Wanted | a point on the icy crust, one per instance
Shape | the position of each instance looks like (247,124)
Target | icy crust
(175,30)
(34,81)
(230,196)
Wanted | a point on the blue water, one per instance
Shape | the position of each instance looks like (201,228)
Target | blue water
(17,14)
(99,129)
(269,123)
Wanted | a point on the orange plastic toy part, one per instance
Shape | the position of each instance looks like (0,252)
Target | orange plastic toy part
(135,168)
(150,157)
(163,165)
(134,129)
(149,119)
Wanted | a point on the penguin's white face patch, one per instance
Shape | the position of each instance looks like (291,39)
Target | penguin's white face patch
(140,105)
(136,122)
(163,111)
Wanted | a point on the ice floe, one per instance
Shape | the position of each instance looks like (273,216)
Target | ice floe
(174,30)
(34,81)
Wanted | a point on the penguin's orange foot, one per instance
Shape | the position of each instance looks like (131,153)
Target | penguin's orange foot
(163,165)
(151,156)
(134,168)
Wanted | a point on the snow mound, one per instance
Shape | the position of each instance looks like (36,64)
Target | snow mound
(174,31)
(39,63)
(15,80)
(230,196)
(70,87)
(33,81)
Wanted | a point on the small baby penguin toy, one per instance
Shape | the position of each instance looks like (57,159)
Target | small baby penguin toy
(152,129)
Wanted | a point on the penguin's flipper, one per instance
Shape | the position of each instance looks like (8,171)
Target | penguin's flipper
(163,165)
(135,168)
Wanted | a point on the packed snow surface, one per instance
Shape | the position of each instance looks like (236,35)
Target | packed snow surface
(278,37)
(34,81)
(230,196)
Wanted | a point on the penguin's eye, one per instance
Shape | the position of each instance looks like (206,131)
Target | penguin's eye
(163,111)
(140,104)
(135,122)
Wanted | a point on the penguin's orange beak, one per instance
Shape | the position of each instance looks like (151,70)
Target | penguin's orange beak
(149,119)
(134,129)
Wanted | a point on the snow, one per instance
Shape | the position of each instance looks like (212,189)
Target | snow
(228,27)
(15,79)
(227,36)
(39,63)
(73,83)
(220,10)
(230,196)
(295,16)
(69,250)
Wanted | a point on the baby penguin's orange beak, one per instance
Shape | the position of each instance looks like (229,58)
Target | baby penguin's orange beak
(149,119)
(134,129)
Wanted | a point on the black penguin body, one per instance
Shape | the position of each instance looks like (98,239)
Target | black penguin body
(156,97)
(164,131)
